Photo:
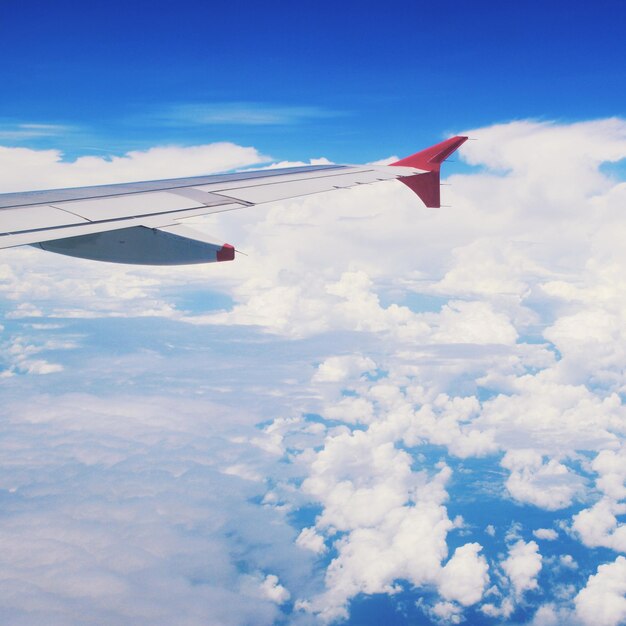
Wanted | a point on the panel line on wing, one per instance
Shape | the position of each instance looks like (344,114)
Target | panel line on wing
(60,208)
(138,218)
(215,185)
(33,198)
(206,198)
(347,171)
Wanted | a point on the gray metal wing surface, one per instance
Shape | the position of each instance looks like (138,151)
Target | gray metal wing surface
(144,222)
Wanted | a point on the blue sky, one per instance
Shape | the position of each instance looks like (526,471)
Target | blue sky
(382,414)
(352,82)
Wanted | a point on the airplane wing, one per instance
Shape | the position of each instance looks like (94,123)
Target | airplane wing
(144,222)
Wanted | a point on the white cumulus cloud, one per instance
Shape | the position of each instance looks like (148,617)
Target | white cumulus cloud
(522,566)
(602,601)
(465,576)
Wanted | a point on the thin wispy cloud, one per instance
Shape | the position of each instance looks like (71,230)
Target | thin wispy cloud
(242,114)
(25,131)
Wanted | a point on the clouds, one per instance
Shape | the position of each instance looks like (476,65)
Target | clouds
(339,368)
(465,576)
(610,465)
(19,356)
(29,131)
(23,169)
(141,535)
(547,534)
(602,600)
(549,485)
(598,525)
(522,566)
(274,590)
(415,376)
(240,113)
(544,159)
(359,480)
(409,545)
(311,540)
(394,523)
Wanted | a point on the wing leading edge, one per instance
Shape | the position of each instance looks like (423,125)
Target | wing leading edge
(144,222)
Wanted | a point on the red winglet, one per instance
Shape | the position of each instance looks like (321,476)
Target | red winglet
(426,186)
(432,158)
(225,253)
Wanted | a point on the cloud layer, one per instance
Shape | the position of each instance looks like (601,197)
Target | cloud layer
(325,419)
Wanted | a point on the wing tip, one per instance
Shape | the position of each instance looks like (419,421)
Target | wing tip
(225,253)
(431,158)
(426,184)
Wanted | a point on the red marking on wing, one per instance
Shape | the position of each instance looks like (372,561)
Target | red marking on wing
(426,185)
(226,253)
(432,158)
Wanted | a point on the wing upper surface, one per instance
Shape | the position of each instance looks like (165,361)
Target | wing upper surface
(35,217)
